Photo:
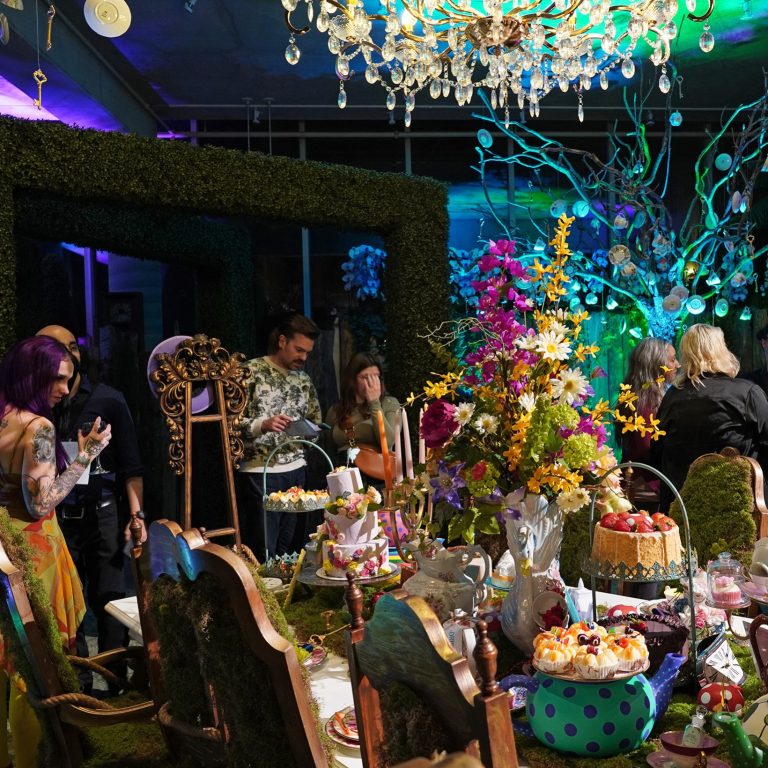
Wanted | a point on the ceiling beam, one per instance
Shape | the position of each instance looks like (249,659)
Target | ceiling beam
(85,64)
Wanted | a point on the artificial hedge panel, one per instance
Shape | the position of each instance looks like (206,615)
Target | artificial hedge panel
(147,174)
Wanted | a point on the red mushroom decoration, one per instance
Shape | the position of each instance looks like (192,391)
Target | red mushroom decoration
(721,697)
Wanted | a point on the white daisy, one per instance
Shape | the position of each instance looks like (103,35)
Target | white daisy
(558,328)
(569,386)
(553,346)
(571,501)
(486,424)
(527,341)
(528,401)
(464,413)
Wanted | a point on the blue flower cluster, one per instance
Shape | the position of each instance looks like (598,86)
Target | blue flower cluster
(464,271)
(363,271)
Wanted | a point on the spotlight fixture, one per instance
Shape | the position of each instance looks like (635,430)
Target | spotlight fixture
(519,50)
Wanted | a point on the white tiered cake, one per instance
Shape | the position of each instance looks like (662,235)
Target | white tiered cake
(354,544)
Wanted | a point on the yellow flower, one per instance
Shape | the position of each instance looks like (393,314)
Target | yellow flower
(436,389)
(583,351)
(353,566)
(411,399)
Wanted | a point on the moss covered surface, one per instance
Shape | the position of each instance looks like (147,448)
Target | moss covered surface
(575,546)
(718,500)
(146,197)
(244,688)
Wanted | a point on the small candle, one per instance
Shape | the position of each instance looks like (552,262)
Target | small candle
(407,444)
(398,450)
(422,446)
(384,451)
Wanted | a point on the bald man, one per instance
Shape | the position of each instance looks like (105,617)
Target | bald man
(89,516)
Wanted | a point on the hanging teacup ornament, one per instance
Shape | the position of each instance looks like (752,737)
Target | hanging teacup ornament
(629,269)
(736,202)
(108,18)
(619,254)
(5,31)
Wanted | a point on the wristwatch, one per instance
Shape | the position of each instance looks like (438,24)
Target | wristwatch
(140,514)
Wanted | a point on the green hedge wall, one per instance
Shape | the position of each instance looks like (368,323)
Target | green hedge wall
(157,184)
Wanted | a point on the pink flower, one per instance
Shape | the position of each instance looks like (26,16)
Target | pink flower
(439,423)
(501,247)
(479,470)
(488,262)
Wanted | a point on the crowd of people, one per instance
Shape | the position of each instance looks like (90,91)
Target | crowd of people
(54,423)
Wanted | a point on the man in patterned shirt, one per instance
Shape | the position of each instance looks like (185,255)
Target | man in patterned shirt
(279,392)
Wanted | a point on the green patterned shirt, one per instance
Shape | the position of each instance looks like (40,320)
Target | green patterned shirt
(272,391)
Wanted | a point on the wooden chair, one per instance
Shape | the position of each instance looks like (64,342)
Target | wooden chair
(456,760)
(758,641)
(253,647)
(404,643)
(63,710)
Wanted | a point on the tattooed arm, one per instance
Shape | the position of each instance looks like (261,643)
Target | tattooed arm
(43,489)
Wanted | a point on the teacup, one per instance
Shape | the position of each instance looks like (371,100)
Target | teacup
(684,756)
(759,581)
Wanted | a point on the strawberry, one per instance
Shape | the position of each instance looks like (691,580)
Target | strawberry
(643,527)
(609,520)
(622,525)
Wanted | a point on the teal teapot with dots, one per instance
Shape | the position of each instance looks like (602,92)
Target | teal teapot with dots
(595,718)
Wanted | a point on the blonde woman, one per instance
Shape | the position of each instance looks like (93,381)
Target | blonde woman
(707,408)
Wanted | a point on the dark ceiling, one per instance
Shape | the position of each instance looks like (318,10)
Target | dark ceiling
(172,64)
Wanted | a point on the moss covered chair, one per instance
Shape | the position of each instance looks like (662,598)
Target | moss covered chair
(32,642)
(234,691)
(414,694)
(456,760)
(724,498)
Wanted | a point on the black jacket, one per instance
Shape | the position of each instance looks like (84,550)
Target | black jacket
(722,412)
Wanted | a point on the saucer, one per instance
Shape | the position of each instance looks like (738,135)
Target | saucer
(750,589)
(664,759)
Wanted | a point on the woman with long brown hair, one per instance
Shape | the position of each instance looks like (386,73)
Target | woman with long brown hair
(354,418)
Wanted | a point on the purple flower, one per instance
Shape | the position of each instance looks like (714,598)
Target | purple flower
(447,484)
(488,262)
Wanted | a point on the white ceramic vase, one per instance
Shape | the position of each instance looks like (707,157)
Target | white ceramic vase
(534,536)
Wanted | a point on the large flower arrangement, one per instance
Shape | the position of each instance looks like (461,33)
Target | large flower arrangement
(511,415)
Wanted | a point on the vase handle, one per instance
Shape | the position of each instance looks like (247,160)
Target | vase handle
(487,568)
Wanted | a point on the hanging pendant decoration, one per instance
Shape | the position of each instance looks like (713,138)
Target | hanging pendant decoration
(48,40)
(40,78)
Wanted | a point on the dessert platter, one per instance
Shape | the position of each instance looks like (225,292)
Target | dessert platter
(587,652)
(295,499)
(341,728)
(635,546)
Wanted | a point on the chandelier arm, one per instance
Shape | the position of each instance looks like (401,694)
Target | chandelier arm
(704,16)
(293,29)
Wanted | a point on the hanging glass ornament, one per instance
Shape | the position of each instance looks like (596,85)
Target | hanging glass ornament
(675,119)
(292,52)
(707,39)
(342,101)
(628,68)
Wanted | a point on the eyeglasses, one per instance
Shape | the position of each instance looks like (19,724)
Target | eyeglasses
(73,346)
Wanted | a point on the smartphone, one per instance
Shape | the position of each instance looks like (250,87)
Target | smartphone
(302,428)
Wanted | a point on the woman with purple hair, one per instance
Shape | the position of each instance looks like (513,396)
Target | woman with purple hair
(34,478)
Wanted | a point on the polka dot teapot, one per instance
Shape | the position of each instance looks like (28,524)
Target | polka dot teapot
(595,718)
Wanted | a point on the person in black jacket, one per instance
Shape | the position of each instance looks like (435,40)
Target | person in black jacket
(707,409)
(760,376)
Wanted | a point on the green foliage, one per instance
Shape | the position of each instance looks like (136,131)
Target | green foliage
(147,198)
(411,728)
(718,499)
(193,620)
(575,545)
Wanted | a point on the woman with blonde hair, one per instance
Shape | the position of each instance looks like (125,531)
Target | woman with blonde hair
(707,408)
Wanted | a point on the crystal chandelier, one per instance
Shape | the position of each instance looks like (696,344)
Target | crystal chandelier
(519,50)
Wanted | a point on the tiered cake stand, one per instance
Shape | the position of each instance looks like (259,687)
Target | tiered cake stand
(638,573)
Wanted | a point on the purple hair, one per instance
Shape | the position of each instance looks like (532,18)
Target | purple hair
(27,373)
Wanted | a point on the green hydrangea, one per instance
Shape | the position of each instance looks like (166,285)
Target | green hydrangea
(579,450)
(563,415)
(482,478)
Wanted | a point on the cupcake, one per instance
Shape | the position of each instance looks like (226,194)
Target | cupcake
(553,656)
(581,631)
(595,662)
(725,591)
(631,652)
(556,633)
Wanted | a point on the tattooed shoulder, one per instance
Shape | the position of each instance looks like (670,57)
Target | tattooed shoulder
(43,446)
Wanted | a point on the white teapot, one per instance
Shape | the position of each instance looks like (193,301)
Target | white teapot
(444,583)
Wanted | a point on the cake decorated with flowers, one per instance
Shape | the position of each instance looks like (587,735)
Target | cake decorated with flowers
(351,540)
(296,499)
(637,538)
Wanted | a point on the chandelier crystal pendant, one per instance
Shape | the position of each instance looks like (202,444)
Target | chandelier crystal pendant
(519,50)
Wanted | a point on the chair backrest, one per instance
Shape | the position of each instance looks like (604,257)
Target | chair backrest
(724,498)
(758,640)
(404,645)
(253,681)
(35,658)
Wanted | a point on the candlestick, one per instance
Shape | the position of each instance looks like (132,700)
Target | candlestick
(422,446)
(398,452)
(384,451)
(407,444)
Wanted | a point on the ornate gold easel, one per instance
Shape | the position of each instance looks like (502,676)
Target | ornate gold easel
(200,361)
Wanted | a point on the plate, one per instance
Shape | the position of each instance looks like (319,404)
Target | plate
(575,677)
(317,655)
(664,759)
(517,698)
(272,583)
(108,18)
(344,722)
(729,606)
(751,590)
(344,742)
(321,574)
